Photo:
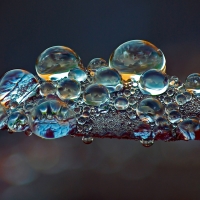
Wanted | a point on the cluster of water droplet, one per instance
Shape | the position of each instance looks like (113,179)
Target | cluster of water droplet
(131,97)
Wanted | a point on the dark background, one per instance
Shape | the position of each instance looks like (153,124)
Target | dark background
(32,168)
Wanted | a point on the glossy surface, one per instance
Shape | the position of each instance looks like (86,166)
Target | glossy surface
(192,83)
(47,88)
(109,78)
(149,109)
(52,119)
(55,63)
(77,74)
(153,82)
(134,57)
(95,64)
(17,85)
(121,103)
(96,95)
(68,89)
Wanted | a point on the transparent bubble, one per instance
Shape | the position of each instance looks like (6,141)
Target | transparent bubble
(192,83)
(121,103)
(96,95)
(174,116)
(170,92)
(55,63)
(109,78)
(134,57)
(77,74)
(162,122)
(17,85)
(47,88)
(188,96)
(149,109)
(52,119)
(17,121)
(3,116)
(171,106)
(167,100)
(153,82)
(95,64)
(87,139)
(68,89)
(180,99)
(188,127)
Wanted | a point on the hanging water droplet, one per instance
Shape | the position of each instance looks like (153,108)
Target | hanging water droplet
(121,103)
(55,63)
(68,89)
(149,109)
(87,139)
(17,85)
(96,95)
(153,82)
(47,88)
(192,83)
(134,57)
(147,143)
(77,74)
(180,99)
(109,78)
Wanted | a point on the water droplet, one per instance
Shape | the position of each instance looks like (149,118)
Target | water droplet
(134,57)
(188,96)
(174,116)
(180,99)
(47,88)
(55,63)
(77,74)
(68,89)
(127,92)
(95,64)
(153,82)
(81,120)
(17,122)
(147,143)
(167,100)
(192,83)
(96,95)
(17,85)
(87,139)
(61,122)
(171,106)
(121,103)
(109,78)
(132,100)
(149,109)
(162,122)
(3,116)
(170,92)
(188,127)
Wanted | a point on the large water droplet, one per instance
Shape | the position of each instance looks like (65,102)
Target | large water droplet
(52,119)
(149,109)
(134,57)
(17,85)
(96,95)
(109,78)
(192,83)
(68,89)
(55,63)
(153,82)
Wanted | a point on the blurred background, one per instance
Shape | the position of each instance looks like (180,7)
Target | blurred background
(32,168)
